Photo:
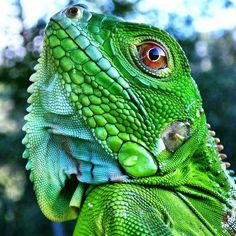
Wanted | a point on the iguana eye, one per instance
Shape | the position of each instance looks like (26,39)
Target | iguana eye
(74,12)
(153,55)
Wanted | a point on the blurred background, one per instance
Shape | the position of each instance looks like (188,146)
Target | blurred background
(205,29)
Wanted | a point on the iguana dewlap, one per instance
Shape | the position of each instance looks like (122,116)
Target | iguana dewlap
(116,135)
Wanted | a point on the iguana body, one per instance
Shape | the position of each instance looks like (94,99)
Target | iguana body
(116,134)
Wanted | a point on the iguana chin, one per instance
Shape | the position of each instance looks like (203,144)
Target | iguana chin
(116,135)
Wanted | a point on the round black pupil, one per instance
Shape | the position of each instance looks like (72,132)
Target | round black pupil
(73,11)
(154,54)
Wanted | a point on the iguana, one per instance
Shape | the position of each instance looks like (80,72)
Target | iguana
(116,135)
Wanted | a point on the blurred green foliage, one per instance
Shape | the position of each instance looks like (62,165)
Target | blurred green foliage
(212,58)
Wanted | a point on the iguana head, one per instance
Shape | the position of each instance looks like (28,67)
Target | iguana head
(111,101)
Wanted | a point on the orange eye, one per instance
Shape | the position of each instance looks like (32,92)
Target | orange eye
(153,56)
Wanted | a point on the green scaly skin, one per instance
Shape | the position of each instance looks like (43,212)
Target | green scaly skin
(121,146)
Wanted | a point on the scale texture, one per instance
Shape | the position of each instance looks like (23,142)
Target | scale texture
(116,136)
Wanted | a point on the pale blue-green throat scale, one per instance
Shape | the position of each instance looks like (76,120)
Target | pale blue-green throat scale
(116,135)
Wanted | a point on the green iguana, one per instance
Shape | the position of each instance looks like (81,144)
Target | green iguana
(116,135)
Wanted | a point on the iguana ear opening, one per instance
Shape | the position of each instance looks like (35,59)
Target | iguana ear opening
(175,135)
